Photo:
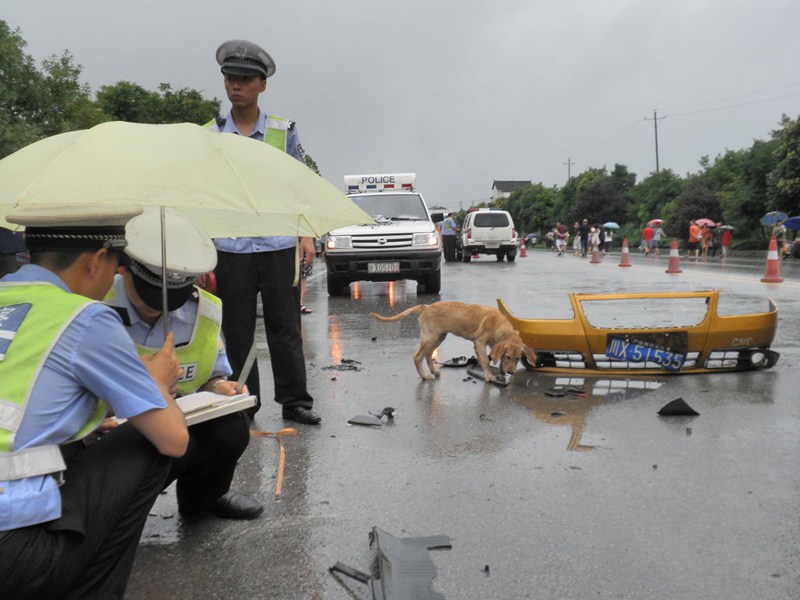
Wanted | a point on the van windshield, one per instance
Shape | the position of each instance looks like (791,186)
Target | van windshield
(491,219)
(401,207)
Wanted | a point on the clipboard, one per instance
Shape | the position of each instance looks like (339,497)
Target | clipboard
(204,406)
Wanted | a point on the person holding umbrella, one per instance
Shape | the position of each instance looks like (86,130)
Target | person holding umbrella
(204,474)
(727,235)
(71,514)
(247,266)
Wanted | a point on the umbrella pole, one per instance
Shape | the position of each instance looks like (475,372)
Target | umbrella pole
(164,313)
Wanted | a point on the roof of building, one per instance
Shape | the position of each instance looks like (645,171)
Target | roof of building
(509,186)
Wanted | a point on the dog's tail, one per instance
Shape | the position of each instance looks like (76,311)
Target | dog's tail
(410,311)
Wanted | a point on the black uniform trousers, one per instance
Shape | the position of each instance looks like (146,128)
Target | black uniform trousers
(240,277)
(449,243)
(88,552)
(205,472)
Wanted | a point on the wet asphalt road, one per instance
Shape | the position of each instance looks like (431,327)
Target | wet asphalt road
(603,499)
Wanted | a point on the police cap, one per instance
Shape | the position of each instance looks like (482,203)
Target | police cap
(69,227)
(190,253)
(240,57)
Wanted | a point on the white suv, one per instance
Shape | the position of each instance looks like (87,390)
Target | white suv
(489,231)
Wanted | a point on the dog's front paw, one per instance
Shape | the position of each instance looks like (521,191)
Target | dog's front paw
(429,377)
(436,372)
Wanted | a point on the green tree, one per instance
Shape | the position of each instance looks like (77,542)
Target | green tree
(601,201)
(784,181)
(126,101)
(697,201)
(35,104)
(20,92)
(68,102)
(651,196)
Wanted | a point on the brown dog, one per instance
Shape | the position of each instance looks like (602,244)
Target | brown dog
(485,326)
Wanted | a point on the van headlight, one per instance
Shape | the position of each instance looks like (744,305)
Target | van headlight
(425,239)
(339,242)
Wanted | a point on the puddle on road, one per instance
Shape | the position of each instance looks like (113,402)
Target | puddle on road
(569,401)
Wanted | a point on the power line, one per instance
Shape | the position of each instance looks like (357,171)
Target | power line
(718,108)
(726,98)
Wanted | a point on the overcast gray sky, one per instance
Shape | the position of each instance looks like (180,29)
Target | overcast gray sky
(463,92)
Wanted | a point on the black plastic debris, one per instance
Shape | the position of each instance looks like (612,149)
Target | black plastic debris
(459,361)
(365,420)
(563,390)
(387,412)
(350,572)
(373,419)
(405,569)
(500,378)
(678,408)
(346,364)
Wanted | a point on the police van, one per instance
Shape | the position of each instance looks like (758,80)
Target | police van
(402,243)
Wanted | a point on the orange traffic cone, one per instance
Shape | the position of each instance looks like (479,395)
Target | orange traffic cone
(674,258)
(522,251)
(772,274)
(625,261)
(595,255)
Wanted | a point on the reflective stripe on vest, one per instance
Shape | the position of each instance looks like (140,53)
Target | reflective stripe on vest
(198,357)
(48,311)
(276,134)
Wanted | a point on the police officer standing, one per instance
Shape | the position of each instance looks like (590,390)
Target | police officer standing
(449,232)
(205,472)
(266,265)
(70,514)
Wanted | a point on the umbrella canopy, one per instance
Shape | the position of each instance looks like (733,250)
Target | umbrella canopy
(232,185)
(706,222)
(655,222)
(728,227)
(773,217)
(792,223)
(610,225)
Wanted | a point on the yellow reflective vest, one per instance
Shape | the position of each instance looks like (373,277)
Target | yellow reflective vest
(276,134)
(198,356)
(33,316)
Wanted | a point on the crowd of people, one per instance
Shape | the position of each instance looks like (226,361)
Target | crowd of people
(585,238)
(704,240)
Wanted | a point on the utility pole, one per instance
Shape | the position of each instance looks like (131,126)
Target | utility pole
(655,120)
(569,164)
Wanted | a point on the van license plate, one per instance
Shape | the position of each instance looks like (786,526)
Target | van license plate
(383,267)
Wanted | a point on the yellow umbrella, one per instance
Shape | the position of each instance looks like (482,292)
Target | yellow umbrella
(232,185)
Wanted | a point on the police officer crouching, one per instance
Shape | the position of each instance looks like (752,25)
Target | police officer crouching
(70,514)
(205,473)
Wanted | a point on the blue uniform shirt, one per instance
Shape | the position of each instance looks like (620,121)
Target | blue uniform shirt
(247,245)
(180,322)
(449,226)
(93,358)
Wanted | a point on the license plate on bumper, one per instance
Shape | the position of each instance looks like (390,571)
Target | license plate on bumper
(383,267)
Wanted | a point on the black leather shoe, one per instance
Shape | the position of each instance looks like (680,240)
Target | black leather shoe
(306,416)
(235,505)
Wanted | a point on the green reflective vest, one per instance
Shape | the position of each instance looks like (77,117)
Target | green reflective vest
(196,358)
(33,316)
(276,134)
